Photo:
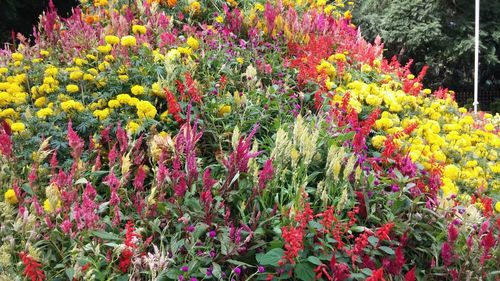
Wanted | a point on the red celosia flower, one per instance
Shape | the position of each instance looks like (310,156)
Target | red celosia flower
(410,275)
(446,254)
(125,260)
(377,275)
(75,142)
(266,174)
(452,233)
(32,268)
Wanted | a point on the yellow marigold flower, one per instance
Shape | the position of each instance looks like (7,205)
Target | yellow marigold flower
(157,90)
(10,196)
(137,90)
(44,112)
(449,188)
(76,75)
(373,100)
(195,7)
(410,77)
(132,127)
(471,164)
(451,171)
(259,7)
(123,98)
(128,41)
(51,71)
(327,68)
(17,56)
(240,60)
(497,207)
(427,91)
(113,104)
(104,49)
(145,109)
(347,15)
(111,39)
(49,207)
(123,78)
(378,141)
(366,68)
(88,77)
(101,114)
(489,127)
(219,19)
(193,43)
(224,109)
(44,53)
(17,127)
(139,29)
(72,88)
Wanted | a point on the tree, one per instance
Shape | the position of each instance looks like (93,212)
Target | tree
(439,34)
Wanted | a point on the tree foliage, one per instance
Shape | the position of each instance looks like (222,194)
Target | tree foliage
(439,34)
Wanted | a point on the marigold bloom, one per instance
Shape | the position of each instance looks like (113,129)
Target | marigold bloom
(137,90)
(10,196)
(193,43)
(111,39)
(139,29)
(72,88)
(17,127)
(128,41)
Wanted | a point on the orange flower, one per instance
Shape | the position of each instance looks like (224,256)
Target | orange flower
(171,3)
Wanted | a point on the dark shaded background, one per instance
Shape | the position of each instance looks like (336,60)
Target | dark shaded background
(22,15)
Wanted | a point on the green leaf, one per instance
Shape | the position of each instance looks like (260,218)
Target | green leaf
(106,235)
(386,250)
(271,258)
(26,187)
(70,272)
(366,271)
(314,260)
(304,272)
(373,240)
(239,263)
(217,271)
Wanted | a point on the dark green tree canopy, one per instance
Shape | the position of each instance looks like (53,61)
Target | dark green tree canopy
(439,34)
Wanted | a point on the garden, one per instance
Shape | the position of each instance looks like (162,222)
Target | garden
(236,140)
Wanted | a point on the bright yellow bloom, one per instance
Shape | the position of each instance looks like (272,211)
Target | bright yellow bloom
(72,88)
(193,43)
(76,75)
(17,56)
(224,109)
(132,127)
(139,29)
(378,141)
(497,207)
(112,40)
(137,90)
(489,127)
(195,7)
(114,104)
(49,207)
(128,41)
(17,127)
(44,112)
(101,114)
(10,196)
(240,60)
(145,109)
(104,49)
(451,171)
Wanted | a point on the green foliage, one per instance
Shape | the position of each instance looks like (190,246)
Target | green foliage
(439,34)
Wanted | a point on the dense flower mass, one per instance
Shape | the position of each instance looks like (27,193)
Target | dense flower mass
(236,140)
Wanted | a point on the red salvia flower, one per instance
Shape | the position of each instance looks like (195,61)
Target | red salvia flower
(32,268)
(293,237)
(173,106)
(383,232)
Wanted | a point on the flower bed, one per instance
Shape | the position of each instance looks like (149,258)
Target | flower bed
(181,140)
